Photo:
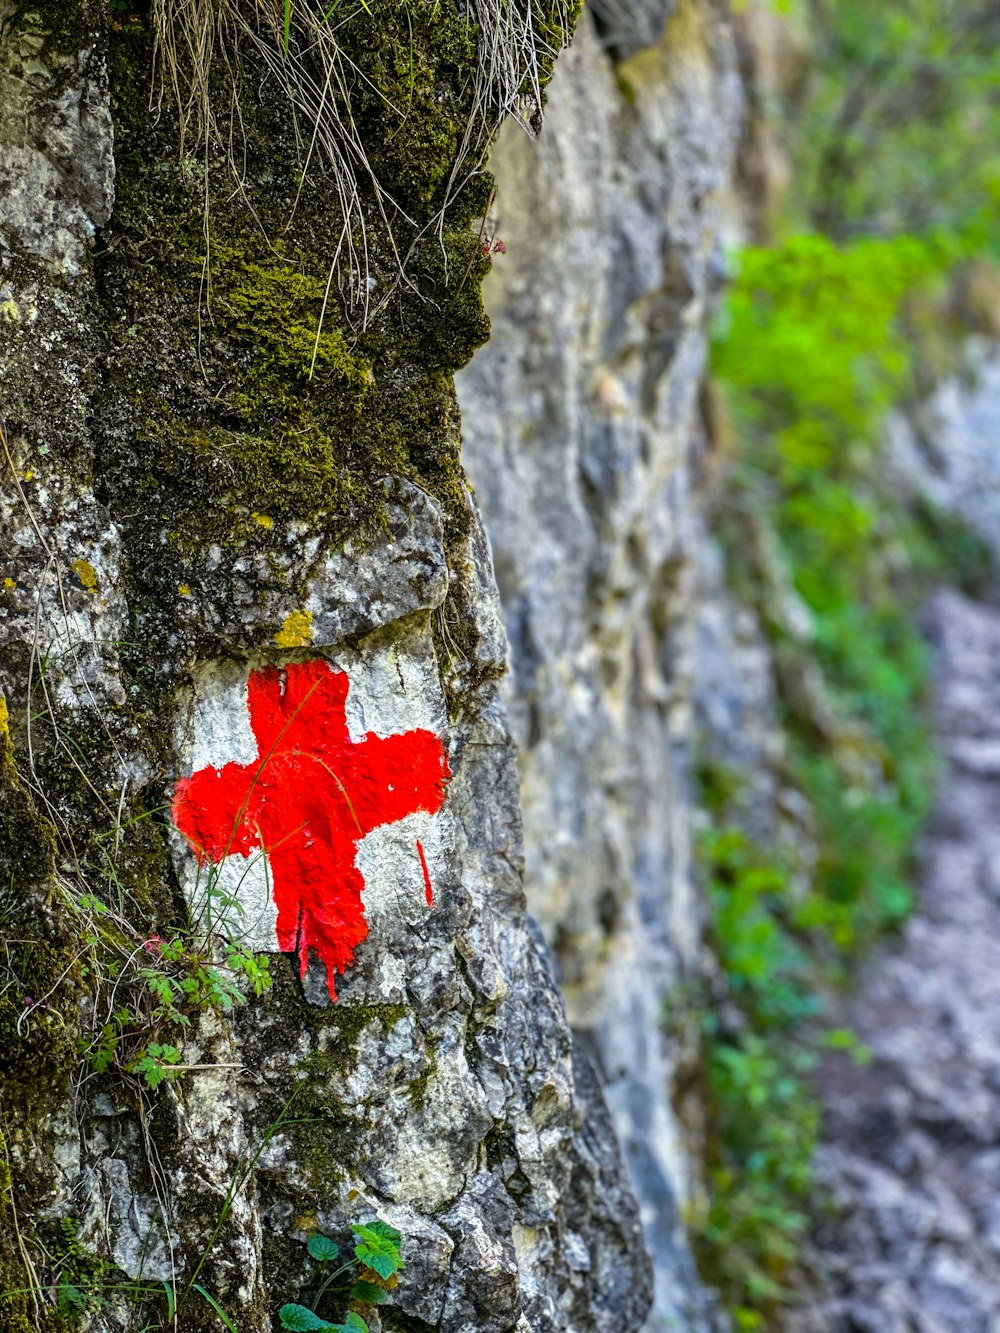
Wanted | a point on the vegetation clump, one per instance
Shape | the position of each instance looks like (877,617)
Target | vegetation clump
(284,338)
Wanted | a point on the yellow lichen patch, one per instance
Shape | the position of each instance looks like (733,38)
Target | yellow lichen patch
(263,520)
(9,582)
(296,632)
(184,589)
(86,573)
(28,475)
(4,717)
(9,311)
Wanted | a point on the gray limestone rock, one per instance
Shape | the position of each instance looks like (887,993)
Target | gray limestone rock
(909,1156)
(583,434)
(439,1092)
(948,448)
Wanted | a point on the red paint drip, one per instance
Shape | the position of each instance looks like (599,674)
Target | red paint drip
(307,800)
(428,887)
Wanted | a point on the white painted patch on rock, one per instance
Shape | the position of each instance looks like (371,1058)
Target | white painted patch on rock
(394,688)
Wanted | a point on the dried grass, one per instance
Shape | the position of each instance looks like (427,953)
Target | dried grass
(298,43)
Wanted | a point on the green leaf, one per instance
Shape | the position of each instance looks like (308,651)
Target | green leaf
(380,1229)
(216,1307)
(379,1247)
(322,1247)
(70,1296)
(299,1318)
(380,1256)
(152,1072)
(367,1292)
(171,1303)
(353,1324)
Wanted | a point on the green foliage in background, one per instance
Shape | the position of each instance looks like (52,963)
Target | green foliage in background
(898,127)
(812,350)
(893,137)
(764,1127)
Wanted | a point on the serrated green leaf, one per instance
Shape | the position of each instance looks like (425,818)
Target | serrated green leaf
(384,1232)
(367,1292)
(378,1247)
(382,1263)
(322,1247)
(301,1319)
(380,1229)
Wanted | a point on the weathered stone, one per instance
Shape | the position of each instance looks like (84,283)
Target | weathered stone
(583,434)
(909,1159)
(146,580)
(946,449)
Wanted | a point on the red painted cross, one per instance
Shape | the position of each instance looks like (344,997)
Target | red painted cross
(306,801)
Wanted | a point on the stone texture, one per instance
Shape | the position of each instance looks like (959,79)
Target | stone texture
(441,1092)
(947,448)
(910,1154)
(583,434)
(352,589)
(56,165)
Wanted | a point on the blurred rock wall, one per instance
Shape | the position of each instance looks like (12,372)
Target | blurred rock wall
(584,434)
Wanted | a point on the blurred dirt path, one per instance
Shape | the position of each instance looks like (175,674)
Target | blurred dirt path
(912,1151)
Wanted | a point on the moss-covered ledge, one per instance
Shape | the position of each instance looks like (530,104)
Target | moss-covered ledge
(250,388)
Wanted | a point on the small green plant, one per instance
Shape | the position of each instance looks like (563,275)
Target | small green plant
(81,1276)
(155,987)
(760,1048)
(85,1284)
(764,1119)
(374,1268)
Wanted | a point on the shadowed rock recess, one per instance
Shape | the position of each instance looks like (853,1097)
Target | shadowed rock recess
(211,467)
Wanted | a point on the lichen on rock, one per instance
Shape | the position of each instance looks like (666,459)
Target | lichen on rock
(224,465)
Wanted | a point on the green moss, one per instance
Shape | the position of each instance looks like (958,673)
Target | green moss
(39,1017)
(27,839)
(323,1148)
(240,382)
(277,309)
(347,1022)
(13,1274)
(322,1130)
(413,103)
(40,955)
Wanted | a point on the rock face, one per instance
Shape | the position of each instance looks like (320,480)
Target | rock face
(911,1154)
(909,1157)
(583,434)
(947,450)
(196,525)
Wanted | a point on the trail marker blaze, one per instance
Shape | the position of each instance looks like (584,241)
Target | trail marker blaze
(306,801)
